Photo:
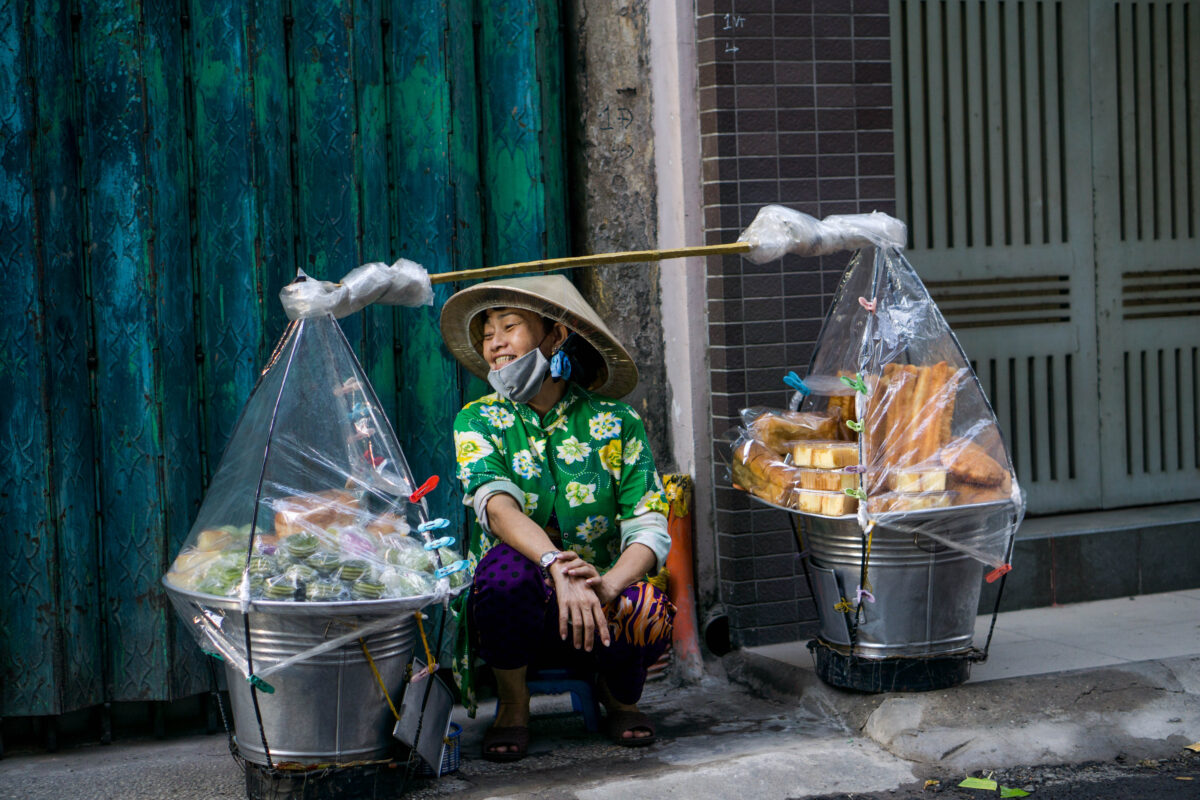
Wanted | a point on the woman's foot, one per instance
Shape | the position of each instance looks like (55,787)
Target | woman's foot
(630,727)
(508,738)
(625,723)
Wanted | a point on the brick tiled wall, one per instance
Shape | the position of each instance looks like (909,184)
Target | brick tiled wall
(796,109)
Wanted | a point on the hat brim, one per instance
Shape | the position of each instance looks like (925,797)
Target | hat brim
(462,326)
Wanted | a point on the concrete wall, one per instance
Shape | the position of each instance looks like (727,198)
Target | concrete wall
(613,188)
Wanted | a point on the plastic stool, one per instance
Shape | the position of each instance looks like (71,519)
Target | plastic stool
(562,681)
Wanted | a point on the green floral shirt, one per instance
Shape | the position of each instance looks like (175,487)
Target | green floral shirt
(586,460)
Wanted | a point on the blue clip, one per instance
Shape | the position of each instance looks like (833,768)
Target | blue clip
(433,525)
(437,544)
(793,380)
(560,365)
(450,569)
(217,656)
(260,684)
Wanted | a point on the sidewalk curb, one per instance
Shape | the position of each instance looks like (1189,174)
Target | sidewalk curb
(1146,709)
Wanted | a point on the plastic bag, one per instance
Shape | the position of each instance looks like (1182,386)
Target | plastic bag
(928,458)
(313,508)
(786,466)
(404,283)
(782,430)
(778,230)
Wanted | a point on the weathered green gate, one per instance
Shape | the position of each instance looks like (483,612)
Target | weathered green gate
(1048,159)
(165,167)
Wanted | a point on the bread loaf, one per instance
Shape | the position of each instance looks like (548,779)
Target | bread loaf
(314,512)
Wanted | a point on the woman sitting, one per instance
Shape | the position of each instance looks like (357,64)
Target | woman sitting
(569,509)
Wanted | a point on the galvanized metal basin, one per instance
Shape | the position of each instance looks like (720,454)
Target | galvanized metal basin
(327,708)
(926,594)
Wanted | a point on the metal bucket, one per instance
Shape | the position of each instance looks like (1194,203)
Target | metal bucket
(327,709)
(926,594)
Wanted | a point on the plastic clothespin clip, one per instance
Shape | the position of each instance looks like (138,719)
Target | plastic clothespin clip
(856,383)
(260,684)
(855,425)
(855,469)
(424,672)
(864,594)
(793,380)
(351,384)
(433,525)
(437,544)
(869,305)
(425,488)
(857,494)
(999,571)
(450,569)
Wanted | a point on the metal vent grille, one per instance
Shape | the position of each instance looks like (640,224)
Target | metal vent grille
(1157,71)
(1162,293)
(980,131)
(1033,398)
(1162,410)
(996,302)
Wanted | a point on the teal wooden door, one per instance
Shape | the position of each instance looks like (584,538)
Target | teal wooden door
(164,169)
(1046,167)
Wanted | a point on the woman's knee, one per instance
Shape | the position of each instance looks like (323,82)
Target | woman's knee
(507,582)
(643,615)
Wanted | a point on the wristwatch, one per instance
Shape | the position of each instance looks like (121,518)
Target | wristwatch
(547,559)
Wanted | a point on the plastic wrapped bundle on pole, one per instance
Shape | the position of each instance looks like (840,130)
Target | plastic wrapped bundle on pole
(891,459)
(312,555)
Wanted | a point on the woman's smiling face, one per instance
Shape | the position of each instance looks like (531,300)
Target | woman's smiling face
(509,333)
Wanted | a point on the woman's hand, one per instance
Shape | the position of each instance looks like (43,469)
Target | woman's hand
(578,604)
(606,590)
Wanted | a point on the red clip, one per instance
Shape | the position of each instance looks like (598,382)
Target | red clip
(995,574)
(369,455)
(424,489)
(869,305)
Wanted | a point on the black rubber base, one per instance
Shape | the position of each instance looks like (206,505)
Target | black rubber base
(344,783)
(889,674)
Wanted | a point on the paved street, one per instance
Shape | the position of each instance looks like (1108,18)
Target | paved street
(1091,700)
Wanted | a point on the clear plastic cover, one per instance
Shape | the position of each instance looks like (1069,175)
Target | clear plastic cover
(313,508)
(928,457)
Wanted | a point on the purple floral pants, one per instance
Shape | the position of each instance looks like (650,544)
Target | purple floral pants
(514,613)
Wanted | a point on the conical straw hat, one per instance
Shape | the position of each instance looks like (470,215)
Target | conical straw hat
(550,296)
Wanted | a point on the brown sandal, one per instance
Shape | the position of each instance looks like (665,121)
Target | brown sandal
(515,736)
(618,722)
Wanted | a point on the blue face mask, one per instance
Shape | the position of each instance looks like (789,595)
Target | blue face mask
(521,379)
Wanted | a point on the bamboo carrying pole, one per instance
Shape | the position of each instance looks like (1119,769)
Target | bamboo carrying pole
(626,257)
